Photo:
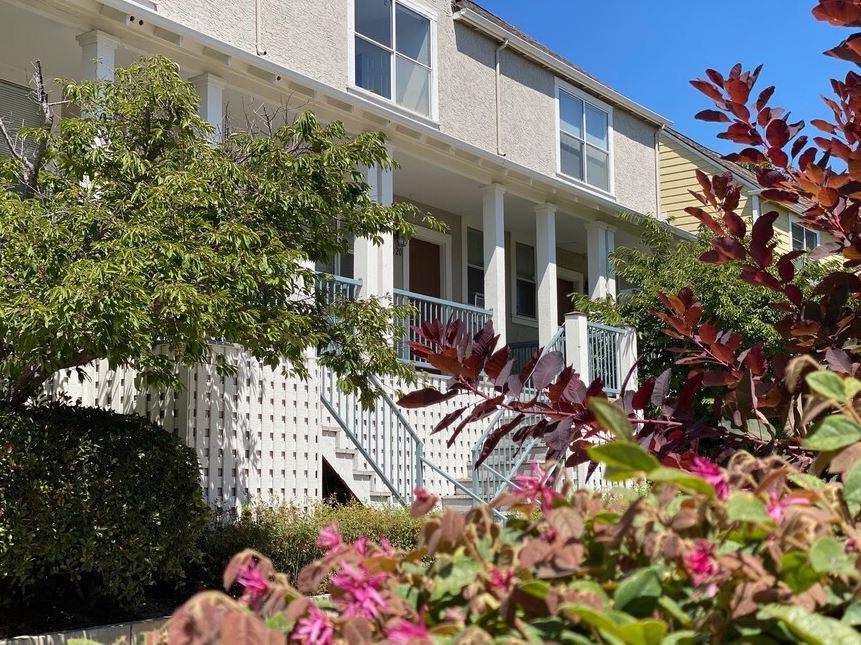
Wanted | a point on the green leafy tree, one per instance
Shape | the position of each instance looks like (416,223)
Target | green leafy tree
(128,229)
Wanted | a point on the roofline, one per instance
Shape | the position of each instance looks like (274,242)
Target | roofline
(490,28)
(742,180)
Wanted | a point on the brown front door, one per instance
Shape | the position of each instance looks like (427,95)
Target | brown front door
(563,300)
(425,268)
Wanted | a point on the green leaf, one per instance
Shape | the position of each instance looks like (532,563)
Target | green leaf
(811,628)
(592,617)
(745,507)
(537,588)
(827,555)
(835,432)
(851,386)
(852,615)
(683,637)
(638,594)
(852,485)
(795,570)
(828,385)
(680,478)
(673,609)
(807,482)
(624,456)
(611,418)
(644,632)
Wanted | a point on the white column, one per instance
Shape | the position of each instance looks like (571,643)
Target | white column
(577,344)
(210,89)
(545,253)
(493,224)
(98,51)
(386,250)
(600,243)
(365,256)
(628,358)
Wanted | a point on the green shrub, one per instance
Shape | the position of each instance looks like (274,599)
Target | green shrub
(288,534)
(93,503)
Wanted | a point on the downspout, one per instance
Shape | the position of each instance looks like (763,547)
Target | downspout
(499,100)
(658,214)
(258,46)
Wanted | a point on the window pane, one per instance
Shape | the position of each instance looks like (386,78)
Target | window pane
(597,172)
(373,68)
(413,90)
(413,37)
(346,269)
(525,261)
(596,127)
(797,238)
(526,299)
(474,247)
(811,240)
(571,114)
(571,156)
(474,286)
(374,20)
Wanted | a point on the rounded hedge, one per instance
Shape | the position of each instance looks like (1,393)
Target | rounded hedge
(94,503)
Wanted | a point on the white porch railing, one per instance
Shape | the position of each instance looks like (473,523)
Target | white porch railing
(429,309)
(605,356)
(337,288)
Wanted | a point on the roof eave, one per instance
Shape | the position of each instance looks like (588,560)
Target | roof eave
(490,28)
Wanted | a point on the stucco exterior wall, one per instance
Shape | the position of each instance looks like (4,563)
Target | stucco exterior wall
(634,162)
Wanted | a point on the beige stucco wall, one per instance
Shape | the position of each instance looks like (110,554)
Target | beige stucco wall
(312,38)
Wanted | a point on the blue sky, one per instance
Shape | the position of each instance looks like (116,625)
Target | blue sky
(649,49)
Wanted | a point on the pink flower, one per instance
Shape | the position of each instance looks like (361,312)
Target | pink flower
(406,632)
(329,538)
(549,534)
(713,474)
(252,583)
(536,486)
(501,581)
(421,494)
(362,596)
(777,505)
(852,546)
(361,545)
(386,546)
(701,564)
(315,628)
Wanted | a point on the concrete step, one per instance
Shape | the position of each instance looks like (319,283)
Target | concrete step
(380,496)
(345,453)
(331,431)
(363,474)
(460,503)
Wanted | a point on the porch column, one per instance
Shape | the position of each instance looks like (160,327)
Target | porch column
(98,51)
(210,89)
(628,358)
(545,252)
(374,264)
(386,250)
(493,223)
(600,243)
(577,344)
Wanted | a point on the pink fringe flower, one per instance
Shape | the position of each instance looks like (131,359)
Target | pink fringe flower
(421,494)
(315,628)
(362,596)
(778,504)
(713,474)
(329,538)
(253,584)
(536,487)
(406,632)
(502,580)
(701,565)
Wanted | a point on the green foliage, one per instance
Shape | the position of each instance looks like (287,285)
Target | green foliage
(288,534)
(93,503)
(668,263)
(138,232)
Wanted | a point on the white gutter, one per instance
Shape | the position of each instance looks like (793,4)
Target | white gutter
(257,45)
(499,100)
(658,214)
(475,19)
(538,180)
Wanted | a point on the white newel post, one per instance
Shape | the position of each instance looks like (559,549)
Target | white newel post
(98,52)
(628,357)
(386,250)
(210,89)
(493,223)
(545,251)
(577,344)
(600,242)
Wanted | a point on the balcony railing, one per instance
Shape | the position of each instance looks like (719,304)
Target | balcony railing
(428,309)
(336,288)
(605,346)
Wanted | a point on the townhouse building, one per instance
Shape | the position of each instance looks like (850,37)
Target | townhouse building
(527,158)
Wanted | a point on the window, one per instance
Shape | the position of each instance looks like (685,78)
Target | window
(18,110)
(524,278)
(474,267)
(584,140)
(803,239)
(341,264)
(393,53)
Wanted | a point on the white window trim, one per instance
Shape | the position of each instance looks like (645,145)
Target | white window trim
(516,317)
(794,221)
(431,15)
(601,105)
(573,276)
(443,240)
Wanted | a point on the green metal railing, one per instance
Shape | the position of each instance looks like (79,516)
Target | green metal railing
(336,288)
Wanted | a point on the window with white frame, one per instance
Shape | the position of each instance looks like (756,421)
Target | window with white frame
(18,110)
(474,267)
(803,238)
(584,139)
(524,280)
(393,53)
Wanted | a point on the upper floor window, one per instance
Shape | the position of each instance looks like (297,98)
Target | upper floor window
(803,239)
(585,129)
(393,51)
(18,110)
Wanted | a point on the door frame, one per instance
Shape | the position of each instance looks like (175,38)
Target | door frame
(443,240)
(568,274)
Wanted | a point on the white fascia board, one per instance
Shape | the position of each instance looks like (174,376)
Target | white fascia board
(550,184)
(475,19)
